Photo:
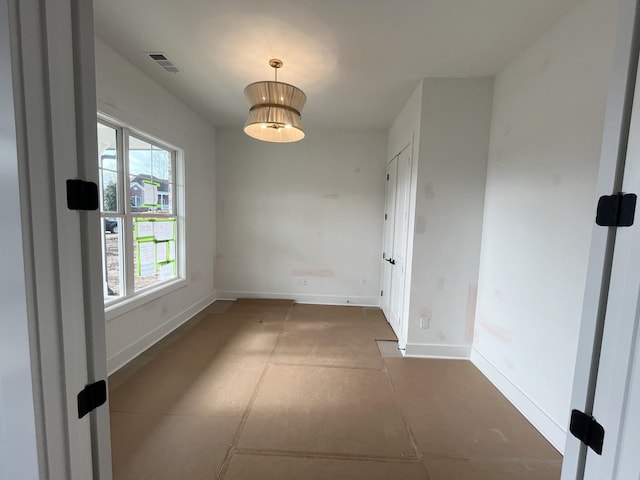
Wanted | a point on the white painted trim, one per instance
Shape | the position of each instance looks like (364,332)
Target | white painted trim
(547,426)
(303,298)
(425,350)
(120,307)
(119,359)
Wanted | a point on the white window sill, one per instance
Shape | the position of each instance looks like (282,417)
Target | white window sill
(117,308)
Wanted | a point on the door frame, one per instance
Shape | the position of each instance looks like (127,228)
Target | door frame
(54,91)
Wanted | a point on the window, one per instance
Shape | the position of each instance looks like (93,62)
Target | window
(139,209)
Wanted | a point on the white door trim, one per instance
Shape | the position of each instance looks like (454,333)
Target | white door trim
(91,227)
(54,90)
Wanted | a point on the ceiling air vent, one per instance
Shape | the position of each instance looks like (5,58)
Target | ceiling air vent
(162,60)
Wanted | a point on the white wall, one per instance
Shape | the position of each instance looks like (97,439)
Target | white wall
(539,210)
(406,126)
(452,160)
(126,93)
(310,210)
(18,445)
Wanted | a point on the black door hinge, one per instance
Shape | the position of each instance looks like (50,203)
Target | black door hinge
(91,397)
(385,216)
(381,292)
(616,210)
(585,428)
(82,195)
(387,177)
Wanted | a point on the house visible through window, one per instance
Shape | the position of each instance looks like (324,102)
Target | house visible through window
(141,240)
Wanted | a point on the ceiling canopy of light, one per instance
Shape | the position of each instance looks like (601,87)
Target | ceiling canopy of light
(274,115)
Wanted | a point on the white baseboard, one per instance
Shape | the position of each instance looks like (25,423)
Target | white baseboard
(421,350)
(127,354)
(547,426)
(302,298)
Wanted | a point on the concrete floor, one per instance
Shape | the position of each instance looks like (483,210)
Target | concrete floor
(272,390)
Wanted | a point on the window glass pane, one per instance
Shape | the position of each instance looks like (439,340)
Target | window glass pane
(109,182)
(161,164)
(108,164)
(151,174)
(137,194)
(154,251)
(162,172)
(112,257)
(139,158)
(107,147)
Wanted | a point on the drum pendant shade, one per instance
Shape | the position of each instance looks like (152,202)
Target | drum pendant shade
(274,115)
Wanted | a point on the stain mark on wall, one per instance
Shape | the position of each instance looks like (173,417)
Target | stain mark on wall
(425,312)
(441,282)
(442,336)
(497,331)
(421,224)
(429,192)
(331,196)
(312,273)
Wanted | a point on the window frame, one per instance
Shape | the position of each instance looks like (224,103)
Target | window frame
(131,299)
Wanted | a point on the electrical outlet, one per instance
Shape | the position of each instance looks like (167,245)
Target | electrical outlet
(424,322)
(302,282)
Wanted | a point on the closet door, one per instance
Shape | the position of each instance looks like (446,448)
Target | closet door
(389,224)
(398,260)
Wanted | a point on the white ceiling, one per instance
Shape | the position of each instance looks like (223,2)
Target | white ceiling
(357,60)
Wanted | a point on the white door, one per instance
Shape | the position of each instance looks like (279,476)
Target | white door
(401,227)
(607,375)
(389,225)
(54,91)
(618,377)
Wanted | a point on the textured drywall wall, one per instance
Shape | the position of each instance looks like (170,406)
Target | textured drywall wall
(546,134)
(452,161)
(301,220)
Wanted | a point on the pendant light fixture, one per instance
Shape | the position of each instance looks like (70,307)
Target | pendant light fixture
(274,115)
